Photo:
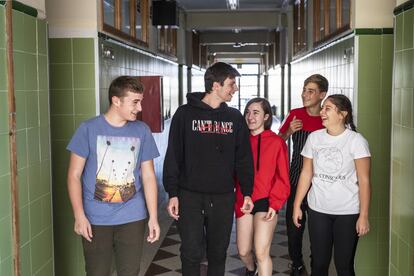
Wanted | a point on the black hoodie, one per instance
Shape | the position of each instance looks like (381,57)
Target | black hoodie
(207,148)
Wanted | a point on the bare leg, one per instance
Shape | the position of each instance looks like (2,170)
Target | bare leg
(263,235)
(244,233)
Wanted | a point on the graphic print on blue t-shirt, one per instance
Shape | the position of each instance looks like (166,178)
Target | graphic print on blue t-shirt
(116,160)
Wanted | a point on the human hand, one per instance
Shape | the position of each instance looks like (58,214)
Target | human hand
(362,226)
(270,215)
(153,230)
(295,125)
(247,205)
(83,228)
(297,215)
(172,208)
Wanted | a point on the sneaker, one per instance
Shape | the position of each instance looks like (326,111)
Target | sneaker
(298,271)
(251,273)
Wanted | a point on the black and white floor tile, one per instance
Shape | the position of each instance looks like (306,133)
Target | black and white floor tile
(166,261)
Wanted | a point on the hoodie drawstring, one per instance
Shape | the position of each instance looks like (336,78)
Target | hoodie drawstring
(258,152)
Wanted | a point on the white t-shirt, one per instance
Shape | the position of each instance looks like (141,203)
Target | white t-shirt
(335,187)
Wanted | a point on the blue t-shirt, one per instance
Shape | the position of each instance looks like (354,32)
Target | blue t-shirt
(111,186)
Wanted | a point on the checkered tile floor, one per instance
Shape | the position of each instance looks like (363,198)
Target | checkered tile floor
(167,261)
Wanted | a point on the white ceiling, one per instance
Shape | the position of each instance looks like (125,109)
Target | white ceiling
(220,5)
(251,27)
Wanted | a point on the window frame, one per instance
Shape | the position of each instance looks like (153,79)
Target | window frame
(167,41)
(320,37)
(299,26)
(116,30)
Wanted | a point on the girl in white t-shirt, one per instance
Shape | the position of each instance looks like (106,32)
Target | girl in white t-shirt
(336,161)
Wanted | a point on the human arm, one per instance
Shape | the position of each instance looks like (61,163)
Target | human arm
(82,226)
(304,183)
(293,126)
(281,185)
(362,166)
(244,167)
(247,205)
(149,183)
(173,207)
(174,156)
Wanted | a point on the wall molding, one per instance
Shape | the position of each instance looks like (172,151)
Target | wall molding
(373,31)
(404,7)
(22,8)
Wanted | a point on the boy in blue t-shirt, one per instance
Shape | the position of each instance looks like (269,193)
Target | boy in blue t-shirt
(112,184)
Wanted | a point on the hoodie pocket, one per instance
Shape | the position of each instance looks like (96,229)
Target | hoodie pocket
(211,178)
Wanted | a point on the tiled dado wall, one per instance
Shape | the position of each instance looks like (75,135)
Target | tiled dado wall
(33,148)
(72,100)
(361,68)
(402,154)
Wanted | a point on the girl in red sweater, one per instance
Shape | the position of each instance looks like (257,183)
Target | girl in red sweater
(270,191)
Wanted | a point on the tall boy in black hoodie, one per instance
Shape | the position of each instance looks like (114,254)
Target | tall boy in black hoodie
(208,146)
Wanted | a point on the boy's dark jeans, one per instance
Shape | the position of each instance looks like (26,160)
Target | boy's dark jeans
(124,241)
(295,234)
(205,222)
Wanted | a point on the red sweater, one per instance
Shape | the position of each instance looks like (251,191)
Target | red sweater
(271,168)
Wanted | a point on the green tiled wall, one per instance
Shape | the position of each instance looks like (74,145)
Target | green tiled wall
(33,148)
(72,100)
(374,122)
(402,154)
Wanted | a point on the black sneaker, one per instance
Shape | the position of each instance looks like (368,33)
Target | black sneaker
(298,271)
(251,273)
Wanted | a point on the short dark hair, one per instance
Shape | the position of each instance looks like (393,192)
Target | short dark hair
(266,108)
(219,72)
(121,85)
(320,80)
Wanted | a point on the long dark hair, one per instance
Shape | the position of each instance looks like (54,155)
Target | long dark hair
(342,103)
(266,108)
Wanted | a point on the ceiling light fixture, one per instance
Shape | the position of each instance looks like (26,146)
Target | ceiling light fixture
(232,4)
(239,44)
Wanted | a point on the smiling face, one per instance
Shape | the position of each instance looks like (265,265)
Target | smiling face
(331,116)
(226,91)
(255,118)
(312,95)
(129,106)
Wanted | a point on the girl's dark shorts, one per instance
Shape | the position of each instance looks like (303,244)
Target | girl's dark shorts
(261,205)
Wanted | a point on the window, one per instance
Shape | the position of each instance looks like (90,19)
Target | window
(299,26)
(127,19)
(167,40)
(330,18)
(248,84)
(109,12)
